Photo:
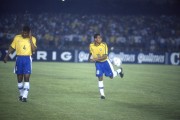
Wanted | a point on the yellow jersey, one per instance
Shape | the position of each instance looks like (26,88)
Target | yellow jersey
(22,45)
(98,51)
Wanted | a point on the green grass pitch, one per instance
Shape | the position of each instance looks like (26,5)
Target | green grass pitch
(69,91)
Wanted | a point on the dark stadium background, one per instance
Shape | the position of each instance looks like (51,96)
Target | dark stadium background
(155,22)
(92,6)
(145,34)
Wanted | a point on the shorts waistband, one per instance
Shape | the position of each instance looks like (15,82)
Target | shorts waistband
(23,55)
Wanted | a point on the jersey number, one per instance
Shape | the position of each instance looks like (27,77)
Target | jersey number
(24,47)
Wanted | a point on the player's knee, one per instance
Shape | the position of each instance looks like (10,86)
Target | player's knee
(100,78)
(20,80)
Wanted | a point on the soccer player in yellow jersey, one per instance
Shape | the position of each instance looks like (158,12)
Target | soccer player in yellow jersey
(25,45)
(98,53)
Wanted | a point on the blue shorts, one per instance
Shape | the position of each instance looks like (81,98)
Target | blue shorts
(104,68)
(23,65)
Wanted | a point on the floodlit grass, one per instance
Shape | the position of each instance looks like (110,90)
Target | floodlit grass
(69,91)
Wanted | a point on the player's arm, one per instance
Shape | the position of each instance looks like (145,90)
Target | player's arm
(90,58)
(10,50)
(90,54)
(101,58)
(33,47)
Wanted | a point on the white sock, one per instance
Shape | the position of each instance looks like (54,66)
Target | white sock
(20,87)
(101,88)
(26,89)
(115,73)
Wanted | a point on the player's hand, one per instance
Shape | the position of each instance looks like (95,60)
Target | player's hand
(94,59)
(5,59)
(91,60)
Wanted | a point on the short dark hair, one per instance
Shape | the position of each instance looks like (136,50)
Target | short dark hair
(26,29)
(95,35)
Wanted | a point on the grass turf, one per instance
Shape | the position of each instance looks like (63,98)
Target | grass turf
(69,91)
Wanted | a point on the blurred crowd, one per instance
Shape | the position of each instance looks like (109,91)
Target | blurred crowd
(128,33)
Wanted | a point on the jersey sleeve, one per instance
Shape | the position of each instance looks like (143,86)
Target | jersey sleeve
(90,49)
(106,48)
(13,44)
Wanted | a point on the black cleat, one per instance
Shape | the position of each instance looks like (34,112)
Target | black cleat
(121,73)
(102,97)
(20,98)
(24,100)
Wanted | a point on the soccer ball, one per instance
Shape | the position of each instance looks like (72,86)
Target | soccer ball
(117,61)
